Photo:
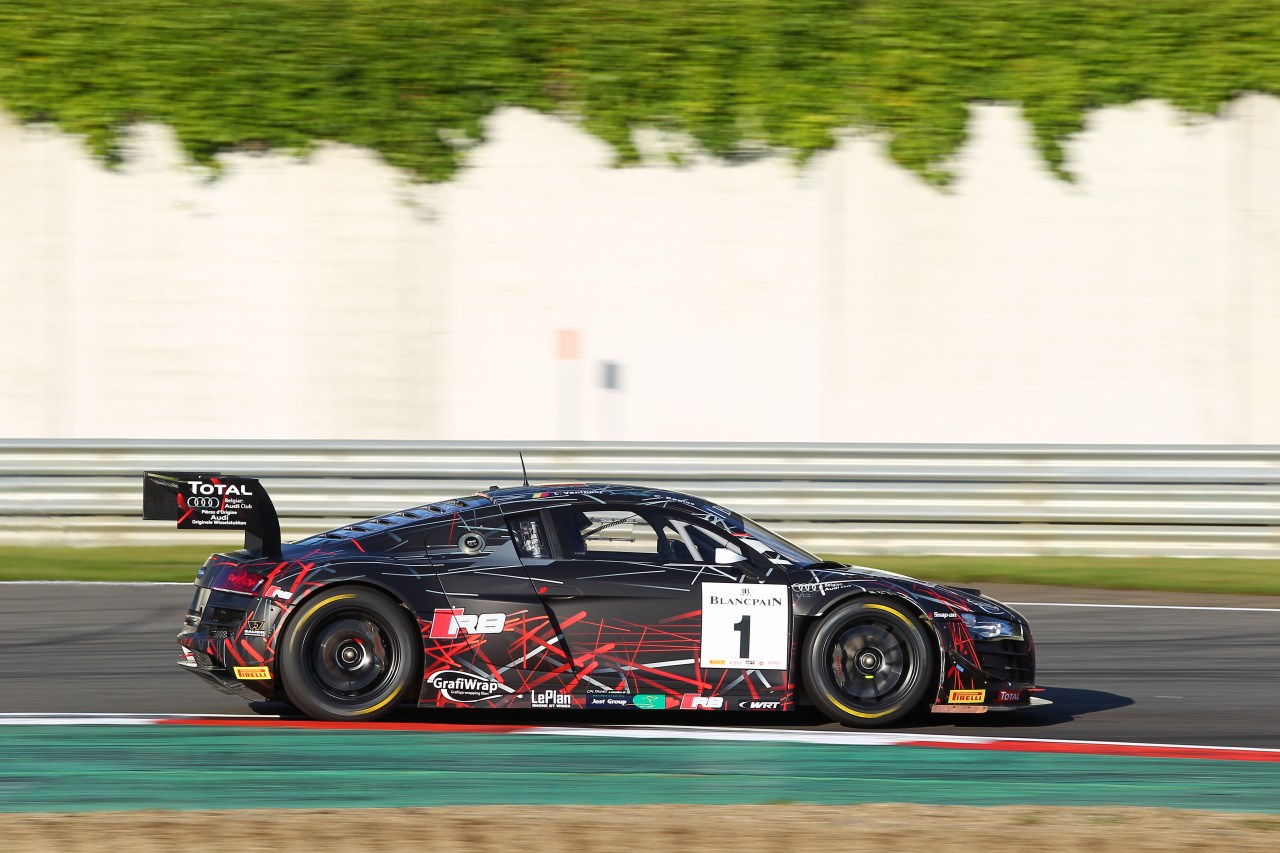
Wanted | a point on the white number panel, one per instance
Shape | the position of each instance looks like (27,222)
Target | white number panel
(745,626)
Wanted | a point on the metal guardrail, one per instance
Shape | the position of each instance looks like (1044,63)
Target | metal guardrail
(832,498)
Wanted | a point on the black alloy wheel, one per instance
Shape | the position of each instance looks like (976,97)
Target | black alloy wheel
(349,654)
(870,662)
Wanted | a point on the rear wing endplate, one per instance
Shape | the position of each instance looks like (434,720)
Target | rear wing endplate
(213,501)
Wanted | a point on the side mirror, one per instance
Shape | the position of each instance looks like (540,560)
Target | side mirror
(725,557)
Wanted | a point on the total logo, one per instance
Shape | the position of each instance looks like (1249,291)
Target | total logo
(550,699)
(201,488)
(1010,696)
(447,623)
(693,702)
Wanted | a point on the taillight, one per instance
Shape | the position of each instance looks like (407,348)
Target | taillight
(236,579)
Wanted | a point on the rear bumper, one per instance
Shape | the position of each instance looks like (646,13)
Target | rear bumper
(217,677)
(223,640)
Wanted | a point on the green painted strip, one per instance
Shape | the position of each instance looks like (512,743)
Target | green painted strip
(107,768)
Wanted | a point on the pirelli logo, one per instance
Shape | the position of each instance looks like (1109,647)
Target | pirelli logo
(967,697)
(253,673)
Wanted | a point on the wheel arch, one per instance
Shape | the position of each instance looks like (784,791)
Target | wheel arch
(815,619)
(366,582)
(411,619)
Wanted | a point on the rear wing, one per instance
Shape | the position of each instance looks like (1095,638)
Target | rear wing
(213,501)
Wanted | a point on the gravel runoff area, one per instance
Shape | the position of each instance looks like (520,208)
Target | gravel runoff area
(499,829)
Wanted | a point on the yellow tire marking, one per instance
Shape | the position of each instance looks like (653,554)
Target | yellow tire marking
(307,615)
(892,610)
(864,714)
(380,704)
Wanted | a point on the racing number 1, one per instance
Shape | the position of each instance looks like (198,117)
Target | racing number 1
(743,627)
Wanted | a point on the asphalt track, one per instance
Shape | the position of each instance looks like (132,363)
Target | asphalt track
(1118,666)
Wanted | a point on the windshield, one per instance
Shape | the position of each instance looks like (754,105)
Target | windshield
(797,555)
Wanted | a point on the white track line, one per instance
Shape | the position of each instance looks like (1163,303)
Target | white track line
(95,583)
(20,719)
(1144,606)
(842,738)
(854,738)
(74,715)
(788,735)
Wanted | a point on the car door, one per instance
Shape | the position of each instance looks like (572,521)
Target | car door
(493,644)
(626,585)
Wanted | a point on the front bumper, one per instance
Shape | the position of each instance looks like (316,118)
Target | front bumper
(982,675)
(999,698)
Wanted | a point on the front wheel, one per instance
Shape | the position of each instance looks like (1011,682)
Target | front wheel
(348,654)
(869,663)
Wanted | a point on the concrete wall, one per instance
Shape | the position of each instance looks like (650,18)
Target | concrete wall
(845,301)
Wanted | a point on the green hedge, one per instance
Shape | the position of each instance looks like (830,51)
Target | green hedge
(413,79)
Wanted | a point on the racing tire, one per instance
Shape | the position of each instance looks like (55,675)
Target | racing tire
(869,663)
(349,654)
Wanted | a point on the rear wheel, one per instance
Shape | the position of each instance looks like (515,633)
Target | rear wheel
(348,654)
(869,663)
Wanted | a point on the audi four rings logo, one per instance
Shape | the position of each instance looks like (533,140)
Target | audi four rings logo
(203,503)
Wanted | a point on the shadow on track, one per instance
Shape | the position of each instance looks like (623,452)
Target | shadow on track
(1068,704)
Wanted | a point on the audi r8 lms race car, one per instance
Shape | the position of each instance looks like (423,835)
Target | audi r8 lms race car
(575,596)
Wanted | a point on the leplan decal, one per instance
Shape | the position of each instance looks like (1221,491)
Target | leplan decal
(550,699)
(744,626)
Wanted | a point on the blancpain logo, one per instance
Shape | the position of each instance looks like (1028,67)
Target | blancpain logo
(747,600)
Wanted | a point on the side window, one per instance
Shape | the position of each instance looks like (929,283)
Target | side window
(642,534)
(529,538)
(691,543)
(606,534)
(620,535)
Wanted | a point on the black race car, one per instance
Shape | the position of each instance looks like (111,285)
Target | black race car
(575,596)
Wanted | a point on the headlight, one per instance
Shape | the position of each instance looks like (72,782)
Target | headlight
(989,628)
